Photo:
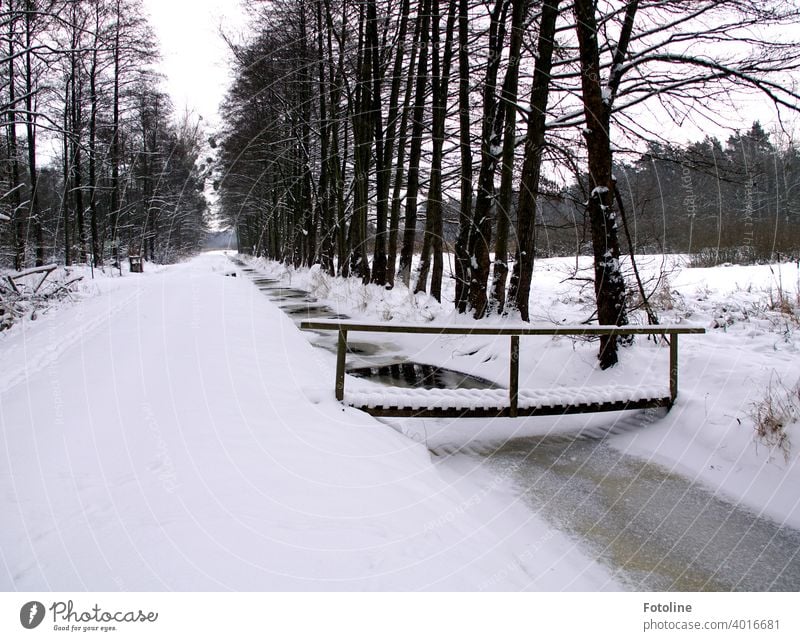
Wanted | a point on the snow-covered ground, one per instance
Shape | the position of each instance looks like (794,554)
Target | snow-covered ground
(176,431)
(750,348)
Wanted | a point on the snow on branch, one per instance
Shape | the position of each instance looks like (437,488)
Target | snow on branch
(20,297)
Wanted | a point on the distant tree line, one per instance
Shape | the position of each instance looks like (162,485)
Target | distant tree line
(355,128)
(732,201)
(92,163)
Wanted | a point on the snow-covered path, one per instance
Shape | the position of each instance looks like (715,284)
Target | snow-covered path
(179,433)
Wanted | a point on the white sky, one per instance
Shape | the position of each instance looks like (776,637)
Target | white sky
(194,54)
(195,63)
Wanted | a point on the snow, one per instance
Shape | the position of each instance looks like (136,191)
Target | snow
(495,398)
(33,270)
(466,325)
(421,398)
(176,431)
(708,436)
(568,395)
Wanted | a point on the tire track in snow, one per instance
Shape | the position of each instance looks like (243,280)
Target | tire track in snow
(47,357)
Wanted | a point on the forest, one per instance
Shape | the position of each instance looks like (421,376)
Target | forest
(409,141)
(361,134)
(94,163)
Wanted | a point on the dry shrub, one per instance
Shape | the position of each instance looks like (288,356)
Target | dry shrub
(782,299)
(774,413)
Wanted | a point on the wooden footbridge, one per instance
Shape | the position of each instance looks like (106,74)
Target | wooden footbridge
(513,402)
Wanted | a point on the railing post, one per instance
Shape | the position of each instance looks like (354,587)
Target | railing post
(341,352)
(513,383)
(673,367)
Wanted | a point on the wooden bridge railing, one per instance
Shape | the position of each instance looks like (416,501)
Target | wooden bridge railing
(513,409)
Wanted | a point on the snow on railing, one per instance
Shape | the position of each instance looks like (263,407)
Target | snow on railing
(511,402)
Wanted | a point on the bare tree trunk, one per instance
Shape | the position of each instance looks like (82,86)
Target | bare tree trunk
(520,286)
(97,250)
(76,117)
(343,226)
(18,215)
(66,178)
(384,147)
(417,128)
(463,266)
(362,151)
(115,182)
(609,283)
(490,139)
(338,234)
(324,205)
(440,81)
(34,214)
(309,239)
(519,14)
(394,219)
(381,210)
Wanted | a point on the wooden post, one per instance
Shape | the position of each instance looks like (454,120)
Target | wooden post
(668,332)
(513,384)
(673,367)
(341,351)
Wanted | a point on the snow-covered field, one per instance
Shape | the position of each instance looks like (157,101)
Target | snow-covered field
(176,431)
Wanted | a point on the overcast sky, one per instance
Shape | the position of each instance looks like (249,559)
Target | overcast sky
(194,55)
(195,63)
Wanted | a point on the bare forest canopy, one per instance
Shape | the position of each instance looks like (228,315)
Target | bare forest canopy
(93,165)
(362,132)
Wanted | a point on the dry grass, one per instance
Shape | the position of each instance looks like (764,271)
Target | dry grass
(782,299)
(774,413)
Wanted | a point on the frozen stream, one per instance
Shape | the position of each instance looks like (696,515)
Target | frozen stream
(653,529)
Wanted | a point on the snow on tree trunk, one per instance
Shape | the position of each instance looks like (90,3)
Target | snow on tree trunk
(609,283)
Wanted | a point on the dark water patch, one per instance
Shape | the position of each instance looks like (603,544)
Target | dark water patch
(364,349)
(420,375)
(307,312)
(313,309)
(278,291)
(329,341)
